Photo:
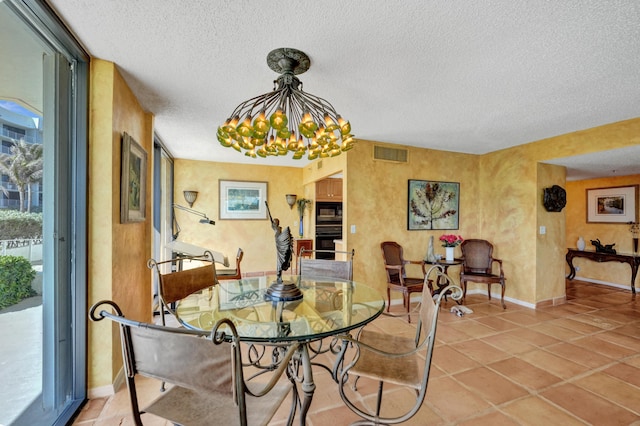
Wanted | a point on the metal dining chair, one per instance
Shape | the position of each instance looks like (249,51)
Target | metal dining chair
(176,285)
(309,265)
(395,360)
(208,384)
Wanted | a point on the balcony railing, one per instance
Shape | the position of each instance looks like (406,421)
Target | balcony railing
(17,136)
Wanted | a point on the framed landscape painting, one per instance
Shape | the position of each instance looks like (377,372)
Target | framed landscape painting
(617,204)
(433,205)
(133,180)
(242,199)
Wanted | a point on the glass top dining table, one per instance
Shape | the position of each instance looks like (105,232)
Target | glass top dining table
(328,307)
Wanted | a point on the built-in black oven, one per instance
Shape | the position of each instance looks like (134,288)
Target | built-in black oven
(328,213)
(328,227)
(325,236)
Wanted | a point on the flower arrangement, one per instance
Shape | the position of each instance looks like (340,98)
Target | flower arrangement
(302,205)
(451,240)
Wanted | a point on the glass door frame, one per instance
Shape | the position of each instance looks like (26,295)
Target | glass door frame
(65,227)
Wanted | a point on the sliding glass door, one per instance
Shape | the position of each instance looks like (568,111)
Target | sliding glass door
(43,109)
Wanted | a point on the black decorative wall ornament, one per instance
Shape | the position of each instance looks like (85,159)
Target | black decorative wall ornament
(555,198)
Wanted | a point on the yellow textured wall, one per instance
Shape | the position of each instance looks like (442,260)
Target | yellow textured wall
(509,198)
(550,247)
(117,252)
(377,197)
(608,233)
(255,237)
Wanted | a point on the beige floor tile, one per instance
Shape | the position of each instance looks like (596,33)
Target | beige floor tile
(490,385)
(493,418)
(591,408)
(534,411)
(497,323)
(629,342)
(480,351)
(561,333)
(509,343)
(531,336)
(451,361)
(597,320)
(578,326)
(473,328)
(613,389)
(448,334)
(525,374)
(452,401)
(620,314)
(581,355)
(599,345)
(527,317)
(625,372)
(554,364)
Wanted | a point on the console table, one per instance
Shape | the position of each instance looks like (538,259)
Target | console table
(631,259)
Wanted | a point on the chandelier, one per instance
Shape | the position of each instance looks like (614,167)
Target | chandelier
(287,120)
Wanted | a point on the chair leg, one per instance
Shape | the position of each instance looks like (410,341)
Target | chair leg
(388,298)
(502,299)
(407,301)
(379,402)
(463,283)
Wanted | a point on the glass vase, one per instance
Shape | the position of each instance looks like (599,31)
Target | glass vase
(301,228)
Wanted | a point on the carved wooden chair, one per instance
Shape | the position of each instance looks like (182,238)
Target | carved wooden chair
(394,359)
(232,274)
(397,280)
(478,264)
(209,387)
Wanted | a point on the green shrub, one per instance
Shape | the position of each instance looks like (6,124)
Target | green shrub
(18,225)
(16,276)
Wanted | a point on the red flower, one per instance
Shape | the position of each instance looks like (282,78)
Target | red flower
(451,240)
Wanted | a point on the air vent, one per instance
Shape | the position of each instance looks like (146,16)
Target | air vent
(397,155)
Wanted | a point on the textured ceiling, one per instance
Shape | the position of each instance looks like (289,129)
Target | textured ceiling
(466,76)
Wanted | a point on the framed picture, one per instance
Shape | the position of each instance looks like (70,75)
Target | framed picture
(617,204)
(433,205)
(133,180)
(242,200)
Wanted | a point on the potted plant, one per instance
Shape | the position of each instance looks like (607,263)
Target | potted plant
(450,242)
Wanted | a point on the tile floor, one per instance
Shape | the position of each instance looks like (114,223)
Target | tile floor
(574,364)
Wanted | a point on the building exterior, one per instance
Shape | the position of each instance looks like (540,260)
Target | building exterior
(15,127)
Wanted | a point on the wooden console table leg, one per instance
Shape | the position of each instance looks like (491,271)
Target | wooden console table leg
(572,272)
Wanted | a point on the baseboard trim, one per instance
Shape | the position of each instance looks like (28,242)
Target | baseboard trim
(108,390)
(416,299)
(607,283)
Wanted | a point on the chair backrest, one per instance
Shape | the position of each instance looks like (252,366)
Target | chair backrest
(392,254)
(340,269)
(477,256)
(177,285)
(232,274)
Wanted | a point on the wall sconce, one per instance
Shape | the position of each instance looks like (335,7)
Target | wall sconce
(190,197)
(291,199)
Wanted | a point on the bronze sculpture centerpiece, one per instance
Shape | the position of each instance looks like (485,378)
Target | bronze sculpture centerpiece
(281,291)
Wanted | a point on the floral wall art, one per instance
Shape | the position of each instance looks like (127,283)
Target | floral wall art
(433,205)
